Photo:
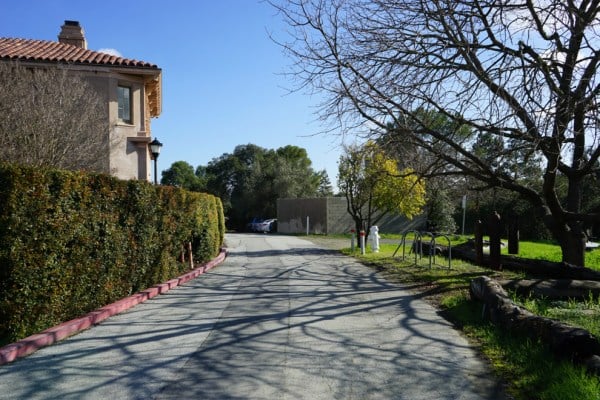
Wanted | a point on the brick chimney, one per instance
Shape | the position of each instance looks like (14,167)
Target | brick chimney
(72,33)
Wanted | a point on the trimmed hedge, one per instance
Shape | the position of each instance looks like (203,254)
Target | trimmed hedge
(71,242)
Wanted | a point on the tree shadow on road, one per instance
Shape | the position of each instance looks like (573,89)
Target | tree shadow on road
(292,323)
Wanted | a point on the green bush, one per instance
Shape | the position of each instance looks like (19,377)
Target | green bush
(71,242)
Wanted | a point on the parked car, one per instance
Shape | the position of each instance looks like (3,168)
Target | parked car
(252,226)
(268,225)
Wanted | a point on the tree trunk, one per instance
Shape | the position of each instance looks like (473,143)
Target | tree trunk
(571,239)
(573,247)
(358,225)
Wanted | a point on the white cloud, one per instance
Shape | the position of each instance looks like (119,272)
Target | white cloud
(112,52)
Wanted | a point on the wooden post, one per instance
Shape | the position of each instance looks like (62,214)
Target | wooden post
(478,242)
(494,226)
(513,235)
(191,254)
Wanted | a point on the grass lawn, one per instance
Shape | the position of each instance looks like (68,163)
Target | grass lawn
(528,367)
(534,250)
(552,252)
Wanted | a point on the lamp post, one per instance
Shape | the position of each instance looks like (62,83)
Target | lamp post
(155,146)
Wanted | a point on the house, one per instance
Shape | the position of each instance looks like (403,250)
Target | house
(131,89)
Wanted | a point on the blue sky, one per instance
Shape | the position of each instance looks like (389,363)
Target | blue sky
(222,74)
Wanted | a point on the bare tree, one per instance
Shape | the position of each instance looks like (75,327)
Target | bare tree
(522,71)
(52,117)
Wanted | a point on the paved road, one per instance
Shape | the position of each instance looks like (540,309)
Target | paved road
(280,319)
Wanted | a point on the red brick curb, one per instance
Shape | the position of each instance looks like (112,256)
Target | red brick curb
(52,335)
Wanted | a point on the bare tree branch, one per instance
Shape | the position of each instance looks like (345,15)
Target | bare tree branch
(525,72)
(51,117)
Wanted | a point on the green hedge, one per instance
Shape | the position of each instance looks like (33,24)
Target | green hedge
(71,242)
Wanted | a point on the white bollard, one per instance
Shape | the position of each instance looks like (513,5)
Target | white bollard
(374,233)
(362,242)
(352,238)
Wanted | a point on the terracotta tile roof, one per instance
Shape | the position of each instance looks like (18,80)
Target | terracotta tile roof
(48,51)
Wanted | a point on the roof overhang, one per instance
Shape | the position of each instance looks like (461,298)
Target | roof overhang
(154,92)
(152,77)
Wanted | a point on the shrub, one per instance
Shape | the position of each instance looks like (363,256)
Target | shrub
(71,242)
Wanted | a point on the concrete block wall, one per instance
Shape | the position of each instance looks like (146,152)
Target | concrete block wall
(329,215)
(338,219)
(292,213)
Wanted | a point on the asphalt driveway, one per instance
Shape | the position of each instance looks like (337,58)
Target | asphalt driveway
(281,318)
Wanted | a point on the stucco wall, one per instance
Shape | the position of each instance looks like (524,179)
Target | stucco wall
(129,159)
(100,84)
(127,156)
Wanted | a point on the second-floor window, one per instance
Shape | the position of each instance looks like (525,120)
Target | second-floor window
(124,101)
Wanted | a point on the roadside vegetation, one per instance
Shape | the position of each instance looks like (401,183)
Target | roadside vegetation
(251,179)
(527,366)
(71,242)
